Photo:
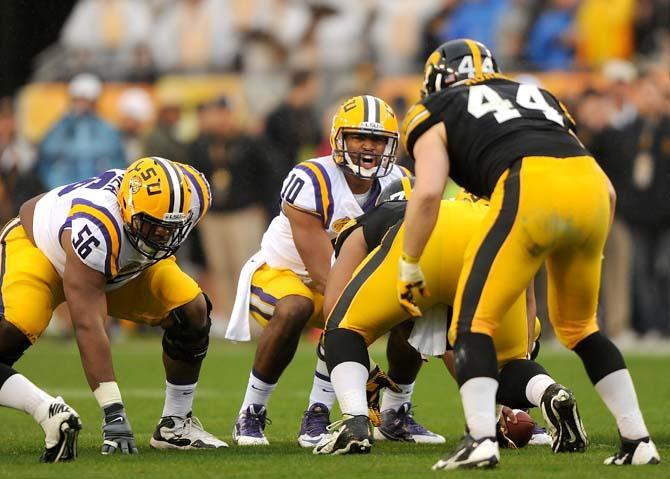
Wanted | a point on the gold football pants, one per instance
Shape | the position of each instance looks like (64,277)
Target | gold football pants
(542,209)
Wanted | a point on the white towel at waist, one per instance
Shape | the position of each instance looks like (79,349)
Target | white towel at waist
(238,327)
(429,334)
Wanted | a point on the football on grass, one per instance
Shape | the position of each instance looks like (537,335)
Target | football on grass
(522,431)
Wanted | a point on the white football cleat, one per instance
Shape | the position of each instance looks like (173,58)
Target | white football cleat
(637,452)
(183,433)
(472,454)
(61,428)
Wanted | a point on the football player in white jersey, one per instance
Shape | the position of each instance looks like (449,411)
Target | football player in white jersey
(105,245)
(282,286)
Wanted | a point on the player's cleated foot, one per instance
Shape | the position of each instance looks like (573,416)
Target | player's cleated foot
(350,435)
(472,454)
(61,429)
(314,426)
(173,432)
(540,437)
(400,425)
(637,452)
(249,428)
(559,408)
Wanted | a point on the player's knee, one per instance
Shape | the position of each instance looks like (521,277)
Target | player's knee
(186,336)
(513,379)
(599,355)
(13,343)
(197,311)
(344,345)
(293,312)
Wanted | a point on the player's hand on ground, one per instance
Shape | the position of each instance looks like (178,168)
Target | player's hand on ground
(116,432)
(506,414)
(410,285)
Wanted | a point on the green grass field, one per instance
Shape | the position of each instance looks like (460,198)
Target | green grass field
(54,365)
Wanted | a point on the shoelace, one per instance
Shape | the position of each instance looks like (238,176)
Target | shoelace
(336,425)
(410,422)
(255,423)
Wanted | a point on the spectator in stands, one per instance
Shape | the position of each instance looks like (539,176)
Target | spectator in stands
(395,34)
(135,114)
(436,23)
(195,35)
(245,187)
(635,153)
(551,41)
(651,27)
(17,181)
(103,34)
(163,140)
(293,127)
(604,31)
(649,212)
(80,145)
(476,19)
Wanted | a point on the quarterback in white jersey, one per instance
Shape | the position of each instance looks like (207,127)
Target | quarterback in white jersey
(105,245)
(282,286)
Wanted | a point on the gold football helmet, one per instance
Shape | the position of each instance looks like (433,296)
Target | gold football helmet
(364,115)
(155,200)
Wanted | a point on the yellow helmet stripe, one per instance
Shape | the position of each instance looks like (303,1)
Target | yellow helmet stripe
(476,57)
(406,186)
(108,226)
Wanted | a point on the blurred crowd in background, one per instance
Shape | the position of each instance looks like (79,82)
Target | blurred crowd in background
(294,61)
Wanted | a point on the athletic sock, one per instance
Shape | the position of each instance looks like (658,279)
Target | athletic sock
(536,387)
(19,393)
(178,399)
(618,393)
(322,389)
(349,379)
(479,405)
(393,400)
(258,392)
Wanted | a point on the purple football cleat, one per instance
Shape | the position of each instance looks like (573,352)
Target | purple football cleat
(400,425)
(250,426)
(314,425)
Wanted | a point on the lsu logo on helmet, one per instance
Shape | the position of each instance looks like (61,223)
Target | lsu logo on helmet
(155,198)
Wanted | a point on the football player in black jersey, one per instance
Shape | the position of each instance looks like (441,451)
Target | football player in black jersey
(550,202)
(359,306)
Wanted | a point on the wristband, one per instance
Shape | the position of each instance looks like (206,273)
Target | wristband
(108,393)
(410,259)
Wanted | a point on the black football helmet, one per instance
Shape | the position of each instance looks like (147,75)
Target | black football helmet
(454,61)
(397,190)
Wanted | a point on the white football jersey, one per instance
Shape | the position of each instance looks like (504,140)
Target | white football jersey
(319,187)
(90,209)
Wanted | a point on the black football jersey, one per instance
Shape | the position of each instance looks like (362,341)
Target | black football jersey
(490,123)
(375,224)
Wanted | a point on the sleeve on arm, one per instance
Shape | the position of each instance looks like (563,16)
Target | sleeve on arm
(95,237)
